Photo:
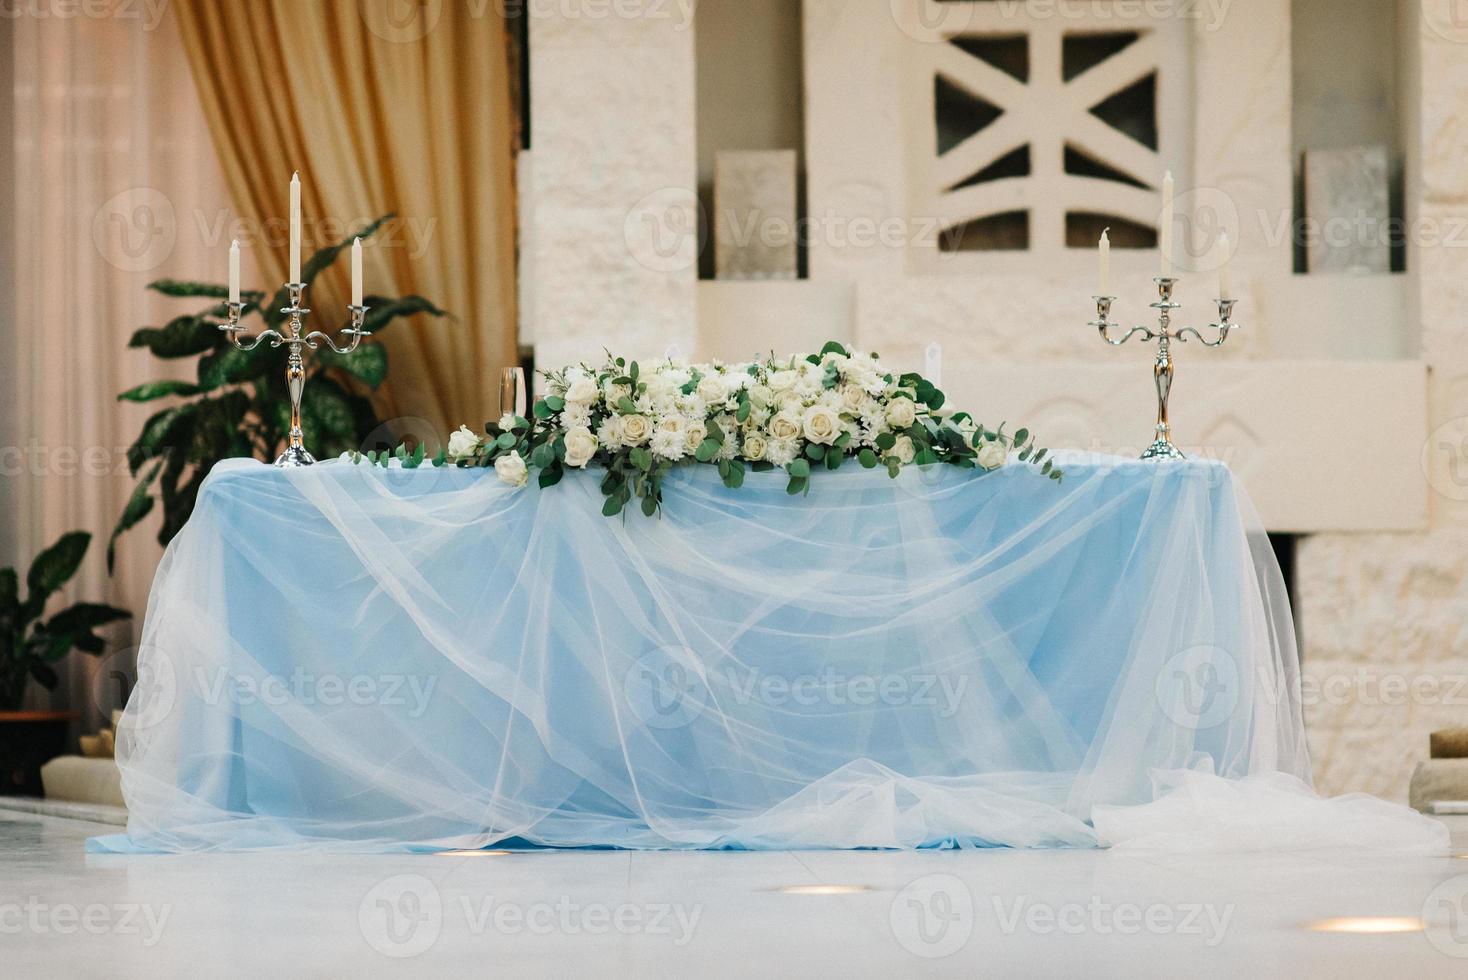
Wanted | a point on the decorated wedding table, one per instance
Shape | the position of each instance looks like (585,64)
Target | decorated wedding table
(699,629)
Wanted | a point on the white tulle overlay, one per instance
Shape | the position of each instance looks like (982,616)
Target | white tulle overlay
(346,656)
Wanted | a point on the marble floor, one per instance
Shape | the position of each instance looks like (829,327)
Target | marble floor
(64,913)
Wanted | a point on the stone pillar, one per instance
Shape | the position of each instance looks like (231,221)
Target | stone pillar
(1384,618)
(613,214)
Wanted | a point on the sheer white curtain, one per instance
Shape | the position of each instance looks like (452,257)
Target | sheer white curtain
(116,183)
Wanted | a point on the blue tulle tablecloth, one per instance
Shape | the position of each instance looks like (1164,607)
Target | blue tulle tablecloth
(346,656)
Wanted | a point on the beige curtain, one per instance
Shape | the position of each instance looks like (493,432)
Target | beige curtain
(382,106)
(115,184)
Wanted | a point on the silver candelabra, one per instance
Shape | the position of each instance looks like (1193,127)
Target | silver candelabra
(1162,368)
(295,372)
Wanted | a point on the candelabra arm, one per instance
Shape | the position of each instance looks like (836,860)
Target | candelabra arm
(355,332)
(231,327)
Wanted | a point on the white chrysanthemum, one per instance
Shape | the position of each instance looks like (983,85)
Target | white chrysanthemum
(692,406)
(609,433)
(668,444)
(781,451)
(576,415)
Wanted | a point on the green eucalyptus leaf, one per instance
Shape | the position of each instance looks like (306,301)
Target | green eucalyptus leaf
(867,458)
(798,467)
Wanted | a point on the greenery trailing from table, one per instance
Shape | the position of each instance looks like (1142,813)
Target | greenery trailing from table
(800,415)
(237,405)
(29,645)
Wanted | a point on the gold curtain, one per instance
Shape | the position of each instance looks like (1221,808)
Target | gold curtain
(381,106)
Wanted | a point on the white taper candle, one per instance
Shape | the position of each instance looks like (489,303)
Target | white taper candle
(1164,228)
(1104,287)
(234,271)
(356,272)
(1225,281)
(295,227)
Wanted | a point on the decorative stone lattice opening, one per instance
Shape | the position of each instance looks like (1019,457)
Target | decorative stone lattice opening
(1046,131)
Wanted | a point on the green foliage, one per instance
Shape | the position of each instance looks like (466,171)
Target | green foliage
(237,403)
(29,645)
(860,412)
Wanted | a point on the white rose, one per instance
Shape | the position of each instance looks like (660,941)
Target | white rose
(616,392)
(583,391)
(754,446)
(635,429)
(901,413)
(463,443)
(694,437)
(782,380)
(760,396)
(713,389)
(904,450)
(992,455)
(511,469)
(821,425)
(853,399)
(507,421)
(580,446)
(785,425)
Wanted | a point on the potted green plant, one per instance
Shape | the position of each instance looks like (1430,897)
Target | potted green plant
(30,644)
(237,404)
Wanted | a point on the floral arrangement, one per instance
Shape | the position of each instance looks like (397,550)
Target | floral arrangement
(798,414)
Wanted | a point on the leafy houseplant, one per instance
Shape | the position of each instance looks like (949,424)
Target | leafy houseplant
(29,646)
(237,405)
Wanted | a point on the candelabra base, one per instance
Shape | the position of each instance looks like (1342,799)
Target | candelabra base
(295,456)
(1162,449)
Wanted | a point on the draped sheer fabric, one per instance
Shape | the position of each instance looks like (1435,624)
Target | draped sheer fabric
(346,656)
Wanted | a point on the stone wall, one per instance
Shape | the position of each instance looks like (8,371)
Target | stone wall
(1384,618)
